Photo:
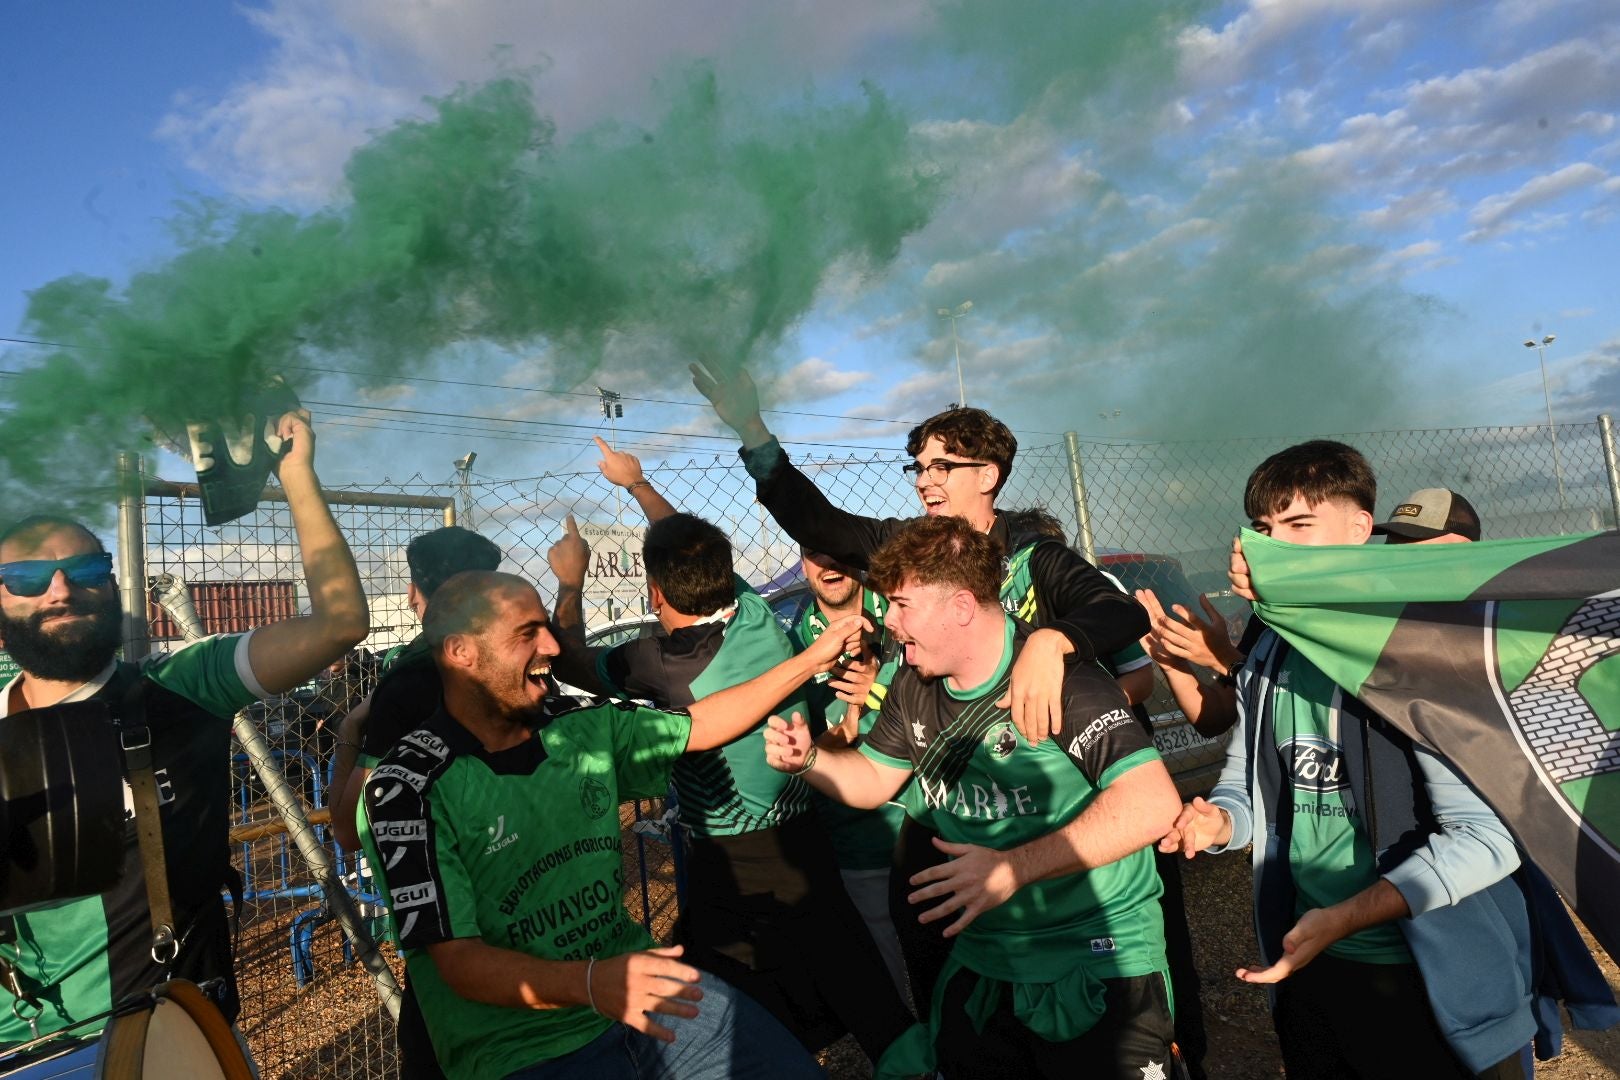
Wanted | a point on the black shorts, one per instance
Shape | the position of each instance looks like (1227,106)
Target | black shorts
(1131,1041)
(767,911)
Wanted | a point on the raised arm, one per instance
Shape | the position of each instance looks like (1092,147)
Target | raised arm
(795,503)
(1176,646)
(624,470)
(728,714)
(569,558)
(288,653)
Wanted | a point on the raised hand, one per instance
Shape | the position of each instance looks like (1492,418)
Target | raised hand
(1237,571)
(1188,638)
(787,743)
(570,557)
(842,636)
(635,987)
(735,399)
(297,439)
(852,678)
(617,466)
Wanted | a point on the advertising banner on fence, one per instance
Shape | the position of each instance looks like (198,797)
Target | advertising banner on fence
(616,581)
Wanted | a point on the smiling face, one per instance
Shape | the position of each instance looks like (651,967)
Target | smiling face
(512,654)
(963,493)
(70,632)
(1331,521)
(833,584)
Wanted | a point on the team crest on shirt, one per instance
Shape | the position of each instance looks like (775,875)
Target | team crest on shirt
(593,797)
(1000,741)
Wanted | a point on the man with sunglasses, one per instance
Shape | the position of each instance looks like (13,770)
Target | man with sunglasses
(71,961)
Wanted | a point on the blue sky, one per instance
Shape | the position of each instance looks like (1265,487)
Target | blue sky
(1383,198)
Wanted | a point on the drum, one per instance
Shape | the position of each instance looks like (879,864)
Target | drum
(173,1032)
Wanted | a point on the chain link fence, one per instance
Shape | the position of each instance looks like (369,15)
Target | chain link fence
(1158,516)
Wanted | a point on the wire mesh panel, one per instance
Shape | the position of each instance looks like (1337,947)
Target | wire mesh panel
(1159,516)
(307,1009)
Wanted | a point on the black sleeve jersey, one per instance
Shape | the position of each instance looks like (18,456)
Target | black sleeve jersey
(1076,599)
(937,734)
(805,514)
(408,694)
(661,669)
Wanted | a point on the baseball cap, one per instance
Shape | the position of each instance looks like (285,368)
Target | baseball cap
(1431,512)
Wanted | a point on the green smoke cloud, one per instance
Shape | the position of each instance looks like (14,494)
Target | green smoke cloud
(706,234)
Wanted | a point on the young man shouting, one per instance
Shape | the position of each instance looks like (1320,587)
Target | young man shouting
(1058,964)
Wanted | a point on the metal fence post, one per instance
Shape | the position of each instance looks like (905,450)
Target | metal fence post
(1611,465)
(132,555)
(1077,484)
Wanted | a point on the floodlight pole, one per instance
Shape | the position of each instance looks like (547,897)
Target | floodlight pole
(956,349)
(1552,428)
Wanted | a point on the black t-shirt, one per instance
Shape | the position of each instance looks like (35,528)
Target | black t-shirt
(409,693)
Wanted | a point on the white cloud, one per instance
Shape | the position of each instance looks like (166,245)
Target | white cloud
(813,379)
(1413,209)
(1497,214)
(341,69)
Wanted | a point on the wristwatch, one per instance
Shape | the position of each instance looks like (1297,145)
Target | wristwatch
(1228,678)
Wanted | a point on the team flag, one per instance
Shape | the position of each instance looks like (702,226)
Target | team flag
(1503,656)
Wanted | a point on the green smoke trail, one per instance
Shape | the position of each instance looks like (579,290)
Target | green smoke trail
(705,235)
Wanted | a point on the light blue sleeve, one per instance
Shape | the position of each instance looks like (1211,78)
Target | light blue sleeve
(1472,850)
(1232,789)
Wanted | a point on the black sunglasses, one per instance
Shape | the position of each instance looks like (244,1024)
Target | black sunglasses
(31,577)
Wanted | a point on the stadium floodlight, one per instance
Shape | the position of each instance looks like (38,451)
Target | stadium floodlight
(1546,395)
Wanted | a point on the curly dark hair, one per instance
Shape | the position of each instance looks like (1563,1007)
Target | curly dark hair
(970,433)
(939,551)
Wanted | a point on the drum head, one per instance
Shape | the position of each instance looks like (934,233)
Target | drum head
(180,1034)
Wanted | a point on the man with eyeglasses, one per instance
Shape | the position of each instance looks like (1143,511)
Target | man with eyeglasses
(72,960)
(963,457)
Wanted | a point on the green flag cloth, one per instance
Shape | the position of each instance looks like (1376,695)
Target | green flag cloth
(1503,656)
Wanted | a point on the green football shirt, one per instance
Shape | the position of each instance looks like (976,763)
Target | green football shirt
(981,783)
(519,849)
(728,790)
(861,839)
(1329,854)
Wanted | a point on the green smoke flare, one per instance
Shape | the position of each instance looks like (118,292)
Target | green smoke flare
(706,235)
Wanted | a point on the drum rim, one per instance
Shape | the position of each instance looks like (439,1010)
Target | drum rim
(123,1043)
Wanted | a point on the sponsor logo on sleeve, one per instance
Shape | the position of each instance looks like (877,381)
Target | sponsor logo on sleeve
(1088,736)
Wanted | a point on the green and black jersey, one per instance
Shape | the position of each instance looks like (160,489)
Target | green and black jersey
(79,957)
(729,790)
(519,849)
(980,782)
(861,839)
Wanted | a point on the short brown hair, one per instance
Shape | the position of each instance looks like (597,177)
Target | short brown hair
(939,551)
(1317,471)
(969,433)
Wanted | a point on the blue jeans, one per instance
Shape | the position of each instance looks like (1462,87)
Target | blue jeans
(731,1037)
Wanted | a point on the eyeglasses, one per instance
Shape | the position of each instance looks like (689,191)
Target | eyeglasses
(939,471)
(31,577)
